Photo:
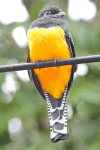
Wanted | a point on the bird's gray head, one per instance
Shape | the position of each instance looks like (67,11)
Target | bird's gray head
(51,11)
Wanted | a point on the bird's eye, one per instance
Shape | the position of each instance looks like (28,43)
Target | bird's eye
(48,13)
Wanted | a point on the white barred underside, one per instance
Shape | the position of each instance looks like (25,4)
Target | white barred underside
(58,124)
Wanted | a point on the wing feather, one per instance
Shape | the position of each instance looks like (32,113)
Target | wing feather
(34,79)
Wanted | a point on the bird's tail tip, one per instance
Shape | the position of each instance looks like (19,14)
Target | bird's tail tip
(59,137)
(59,131)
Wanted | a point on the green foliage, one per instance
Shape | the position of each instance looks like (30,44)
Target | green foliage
(31,108)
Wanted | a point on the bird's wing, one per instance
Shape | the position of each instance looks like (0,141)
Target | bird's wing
(71,46)
(34,79)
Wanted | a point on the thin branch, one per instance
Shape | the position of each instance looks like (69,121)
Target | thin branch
(44,64)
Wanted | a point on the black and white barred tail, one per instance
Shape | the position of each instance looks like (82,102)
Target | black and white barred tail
(57,111)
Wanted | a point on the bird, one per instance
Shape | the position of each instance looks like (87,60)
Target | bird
(49,38)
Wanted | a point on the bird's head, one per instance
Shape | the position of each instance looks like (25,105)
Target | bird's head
(51,11)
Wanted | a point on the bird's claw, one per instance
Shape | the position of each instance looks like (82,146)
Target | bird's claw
(56,60)
(37,62)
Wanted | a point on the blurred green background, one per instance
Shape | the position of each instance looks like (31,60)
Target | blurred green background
(24,123)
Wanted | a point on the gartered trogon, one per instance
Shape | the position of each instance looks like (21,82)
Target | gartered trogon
(50,39)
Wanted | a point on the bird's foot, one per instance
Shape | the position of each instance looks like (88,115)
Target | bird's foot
(56,60)
(37,62)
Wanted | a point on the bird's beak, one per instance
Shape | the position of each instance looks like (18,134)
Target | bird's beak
(61,14)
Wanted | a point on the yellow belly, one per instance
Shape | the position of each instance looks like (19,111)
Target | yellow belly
(47,44)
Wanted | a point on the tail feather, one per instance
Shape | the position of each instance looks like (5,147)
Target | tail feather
(57,111)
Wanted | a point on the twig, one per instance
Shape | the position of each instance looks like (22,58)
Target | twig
(44,64)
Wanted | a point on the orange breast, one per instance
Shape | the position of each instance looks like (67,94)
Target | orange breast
(47,44)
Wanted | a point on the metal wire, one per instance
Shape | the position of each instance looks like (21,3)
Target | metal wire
(44,64)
